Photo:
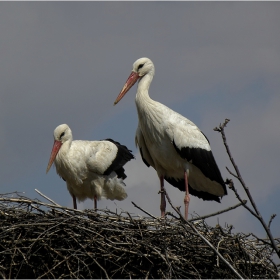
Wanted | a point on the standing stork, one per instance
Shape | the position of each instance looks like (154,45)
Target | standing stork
(170,143)
(91,169)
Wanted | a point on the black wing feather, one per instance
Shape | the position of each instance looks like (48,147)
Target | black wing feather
(123,156)
(143,158)
(204,160)
(180,184)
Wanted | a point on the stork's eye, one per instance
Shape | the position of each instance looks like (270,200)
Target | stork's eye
(61,135)
(140,66)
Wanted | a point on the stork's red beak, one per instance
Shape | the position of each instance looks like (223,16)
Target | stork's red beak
(56,146)
(132,79)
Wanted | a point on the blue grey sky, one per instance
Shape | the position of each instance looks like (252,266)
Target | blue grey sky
(66,62)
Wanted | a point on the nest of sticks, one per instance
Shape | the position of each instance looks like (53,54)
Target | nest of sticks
(45,240)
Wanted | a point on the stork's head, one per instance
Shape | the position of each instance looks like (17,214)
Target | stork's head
(141,67)
(61,134)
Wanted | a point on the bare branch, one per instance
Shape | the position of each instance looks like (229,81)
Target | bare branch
(43,195)
(239,177)
(230,184)
(143,210)
(201,236)
(231,173)
(56,242)
(270,220)
(219,212)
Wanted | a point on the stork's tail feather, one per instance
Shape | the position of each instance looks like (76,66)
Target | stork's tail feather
(114,189)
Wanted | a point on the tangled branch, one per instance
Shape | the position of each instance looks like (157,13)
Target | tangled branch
(41,240)
(255,212)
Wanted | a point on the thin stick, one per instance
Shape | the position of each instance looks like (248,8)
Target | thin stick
(270,220)
(23,200)
(201,236)
(40,277)
(101,268)
(230,184)
(143,210)
(219,212)
(43,195)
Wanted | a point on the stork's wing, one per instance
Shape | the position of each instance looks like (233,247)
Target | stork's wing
(180,184)
(140,143)
(122,157)
(192,145)
(98,155)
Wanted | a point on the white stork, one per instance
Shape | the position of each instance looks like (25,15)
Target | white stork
(91,169)
(170,143)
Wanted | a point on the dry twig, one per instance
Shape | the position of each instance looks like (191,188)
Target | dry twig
(256,212)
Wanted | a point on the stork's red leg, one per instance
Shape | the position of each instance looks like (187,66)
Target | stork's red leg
(162,197)
(74,202)
(95,202)
(187,196)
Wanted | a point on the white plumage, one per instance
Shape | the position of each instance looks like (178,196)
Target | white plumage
(91,169)
(170,143)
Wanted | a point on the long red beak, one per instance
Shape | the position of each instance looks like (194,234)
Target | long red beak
(132,79)
(56,146)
